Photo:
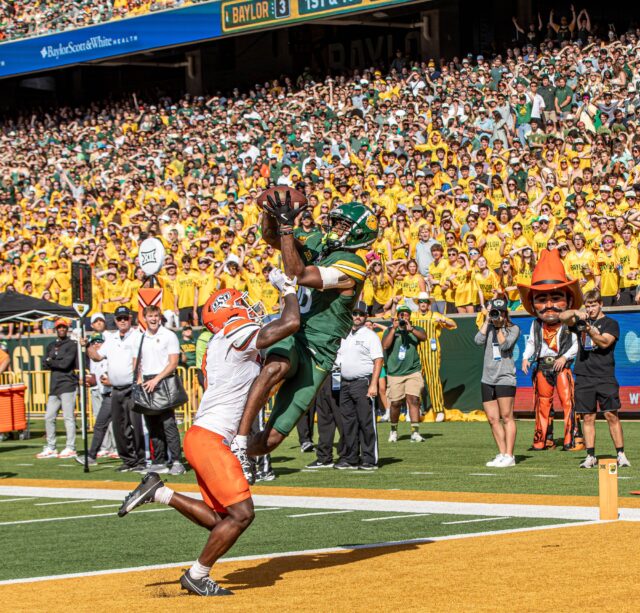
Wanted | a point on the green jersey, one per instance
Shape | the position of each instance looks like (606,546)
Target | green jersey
(326,315)
(402,358)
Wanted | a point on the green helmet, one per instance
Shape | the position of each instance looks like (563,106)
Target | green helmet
(363,230)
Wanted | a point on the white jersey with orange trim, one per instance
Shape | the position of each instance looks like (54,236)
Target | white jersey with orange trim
(230,365)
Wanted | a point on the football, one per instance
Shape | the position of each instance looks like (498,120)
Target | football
(297,197)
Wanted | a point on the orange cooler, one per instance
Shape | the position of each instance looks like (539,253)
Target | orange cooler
(12,411)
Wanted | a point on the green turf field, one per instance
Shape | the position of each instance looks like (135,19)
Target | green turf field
(451,459)
(155,534)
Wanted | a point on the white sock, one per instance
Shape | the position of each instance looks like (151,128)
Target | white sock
(198,571)
(241,441)
(163,495)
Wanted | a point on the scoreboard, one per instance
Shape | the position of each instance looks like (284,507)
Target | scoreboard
(243,15)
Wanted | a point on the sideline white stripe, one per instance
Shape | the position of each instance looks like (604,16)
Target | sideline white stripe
(320,513)
(287,554)
(539,511)
(397,516)
(16,499)
(471,521)
(45,519)
(48,504)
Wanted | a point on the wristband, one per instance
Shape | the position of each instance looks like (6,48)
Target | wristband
(285,231)
(288,290)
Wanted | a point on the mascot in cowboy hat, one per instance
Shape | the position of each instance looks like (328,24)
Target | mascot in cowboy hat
(551,348)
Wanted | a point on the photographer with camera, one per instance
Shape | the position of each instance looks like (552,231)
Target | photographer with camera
(404,370)
(596,383)
(499,335)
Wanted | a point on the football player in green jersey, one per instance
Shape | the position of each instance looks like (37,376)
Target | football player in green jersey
(330,276)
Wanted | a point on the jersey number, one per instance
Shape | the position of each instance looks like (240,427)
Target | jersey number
(304,299)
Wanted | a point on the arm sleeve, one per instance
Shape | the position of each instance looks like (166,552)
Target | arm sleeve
(480,339)
(173,346)
(529,347)
(375,346)
(513,332)
(573,350)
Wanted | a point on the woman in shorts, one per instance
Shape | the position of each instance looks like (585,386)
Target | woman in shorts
(499,335)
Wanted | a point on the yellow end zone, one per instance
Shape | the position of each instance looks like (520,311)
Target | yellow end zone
(589,568)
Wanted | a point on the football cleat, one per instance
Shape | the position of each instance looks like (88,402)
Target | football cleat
(143,494)
(202,587)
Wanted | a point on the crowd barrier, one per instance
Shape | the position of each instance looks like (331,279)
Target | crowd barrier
(460,372)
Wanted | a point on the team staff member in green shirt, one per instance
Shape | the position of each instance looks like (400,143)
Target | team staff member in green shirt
(404,370)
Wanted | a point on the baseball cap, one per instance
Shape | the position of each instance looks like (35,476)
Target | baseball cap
(97,316)
(403,308)
(3,345)
(122,311)
(96,338)
(360,307)
(499,304)
(61,322)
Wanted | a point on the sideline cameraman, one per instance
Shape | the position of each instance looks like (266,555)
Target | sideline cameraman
(404,370)
(596,383)
(499,335)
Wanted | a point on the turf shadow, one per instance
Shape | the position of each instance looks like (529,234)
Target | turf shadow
(387,461)
(5,448)
(522,458)
(271,571)
(8,475)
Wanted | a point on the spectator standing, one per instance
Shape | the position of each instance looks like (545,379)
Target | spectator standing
(159,353)
(499,335)
(187,348)
(61,360)
(360,359)
(430,355)
(404,371)
(100,392)
(101,443)
(329,418)
(120,349)
(595,371)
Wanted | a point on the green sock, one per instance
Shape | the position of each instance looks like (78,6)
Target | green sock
(394,427)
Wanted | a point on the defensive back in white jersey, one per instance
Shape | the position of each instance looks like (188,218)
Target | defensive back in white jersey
(230,366)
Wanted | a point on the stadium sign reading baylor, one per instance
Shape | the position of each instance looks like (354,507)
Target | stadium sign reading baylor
(240,15)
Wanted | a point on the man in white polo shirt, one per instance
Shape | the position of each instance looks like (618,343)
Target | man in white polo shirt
(158,360)
(119,349)
(360,359)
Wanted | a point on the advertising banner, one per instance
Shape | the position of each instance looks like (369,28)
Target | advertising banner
(169,28)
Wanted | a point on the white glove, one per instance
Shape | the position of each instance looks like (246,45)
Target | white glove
(281,282)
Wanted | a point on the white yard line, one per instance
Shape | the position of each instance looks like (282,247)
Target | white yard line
(24,464)
(396,516)
(286,554)
(267,508)
(46,519)
(49,504)
(418,473)
(483,474)
(319,513)
(105,506)
(547,476)
(471,521)
(16,499)
(540,511)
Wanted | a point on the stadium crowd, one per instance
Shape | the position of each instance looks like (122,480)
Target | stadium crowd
(27,18)
(472,165)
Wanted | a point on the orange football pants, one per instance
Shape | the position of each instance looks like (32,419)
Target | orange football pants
(219,474)
(543,399)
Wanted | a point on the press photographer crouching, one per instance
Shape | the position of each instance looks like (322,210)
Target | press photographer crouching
(596,383)
(499,335)
(157,384)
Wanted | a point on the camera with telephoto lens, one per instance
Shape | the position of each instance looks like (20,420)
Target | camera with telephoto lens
(582,325)
(494,314)
(402,323)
